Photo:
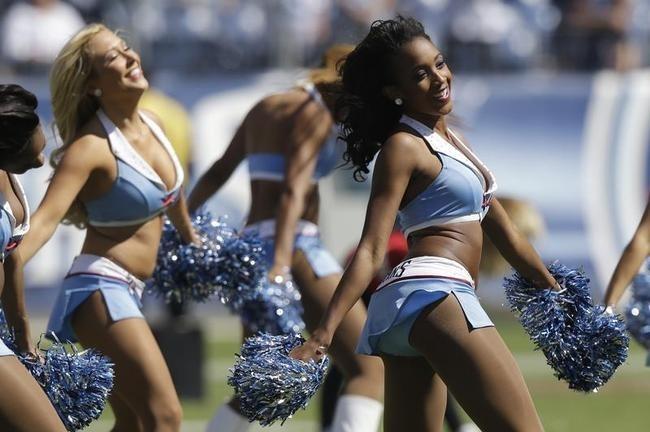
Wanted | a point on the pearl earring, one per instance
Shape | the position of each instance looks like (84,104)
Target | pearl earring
(398,101)
(97,92)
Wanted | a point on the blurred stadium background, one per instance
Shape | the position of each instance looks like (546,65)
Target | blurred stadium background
(553,94)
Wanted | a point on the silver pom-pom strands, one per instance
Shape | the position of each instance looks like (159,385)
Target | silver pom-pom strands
(240,271)
(637,312)
(228,265)
(76,382)
(271,385)
(276,309)
(582,343)
(224,264)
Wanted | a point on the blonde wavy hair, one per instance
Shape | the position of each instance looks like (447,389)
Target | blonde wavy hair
(72,105)
(327,78)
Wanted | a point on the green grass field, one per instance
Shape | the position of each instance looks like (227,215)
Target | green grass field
(622,405)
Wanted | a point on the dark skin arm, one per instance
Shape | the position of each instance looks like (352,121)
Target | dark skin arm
(515,247)
(219,173)
(393,169)
(13,302)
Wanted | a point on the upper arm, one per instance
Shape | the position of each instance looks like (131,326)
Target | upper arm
(391,175)
(70,176)
(236,150)
(497,224)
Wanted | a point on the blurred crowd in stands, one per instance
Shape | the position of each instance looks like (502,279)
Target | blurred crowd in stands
(199,36)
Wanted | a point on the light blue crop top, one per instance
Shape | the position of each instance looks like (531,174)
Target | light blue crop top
(271,166)
(11,234)
(460,193)
(138,193)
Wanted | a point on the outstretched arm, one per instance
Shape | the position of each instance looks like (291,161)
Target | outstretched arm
(219,173)
(635,252)
(312,127)
(391,176)
(78,162)
(515,247)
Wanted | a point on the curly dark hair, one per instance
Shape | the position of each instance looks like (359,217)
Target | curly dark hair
(18,119)
(367,115)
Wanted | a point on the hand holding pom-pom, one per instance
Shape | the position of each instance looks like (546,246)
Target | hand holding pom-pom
(224,264)
(581,342)
(77,383)
(270,384)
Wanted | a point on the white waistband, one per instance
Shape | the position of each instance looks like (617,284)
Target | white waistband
(101,266)
(266,228)
(427,267)
(443,221)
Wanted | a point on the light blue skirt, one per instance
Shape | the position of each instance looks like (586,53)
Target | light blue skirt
(307,241)
(394,308)
(121,301)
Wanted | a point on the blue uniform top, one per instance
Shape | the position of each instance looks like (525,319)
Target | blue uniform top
(460,193)
(138,193)
(10,232)
(271,166)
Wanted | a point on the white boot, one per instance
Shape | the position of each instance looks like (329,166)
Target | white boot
(356,413)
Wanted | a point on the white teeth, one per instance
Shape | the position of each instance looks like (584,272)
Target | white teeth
(135,73)
(443,94)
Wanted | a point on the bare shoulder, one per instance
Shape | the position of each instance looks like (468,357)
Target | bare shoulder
(294,111)
(90,147)
(401,148)
(287,102)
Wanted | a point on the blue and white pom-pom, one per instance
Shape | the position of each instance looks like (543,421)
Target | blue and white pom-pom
(225,264)
(581,342)
(241,272)
(637,312)
(276,309)
(77,383)
(271,385)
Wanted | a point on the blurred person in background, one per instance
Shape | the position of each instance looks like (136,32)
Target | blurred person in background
(115,176)
(287,139)
(593,34)
(353,16)
(24,407)
(489,35)
(34,31)
(425,320)
(300,29)
(634,254)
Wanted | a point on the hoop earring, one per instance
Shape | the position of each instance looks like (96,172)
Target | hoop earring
(398,101)
(97,92)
